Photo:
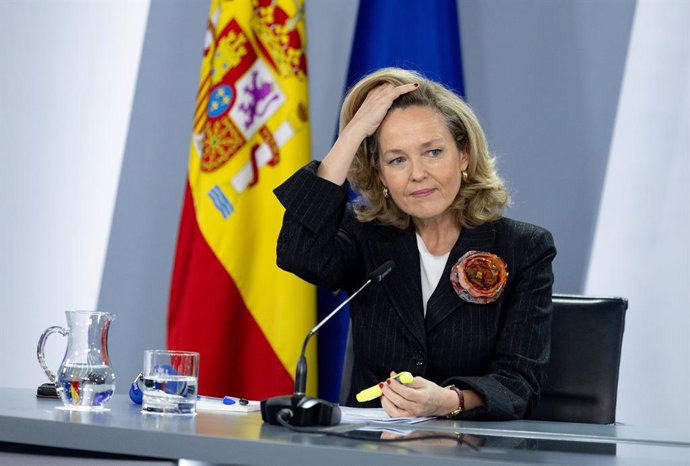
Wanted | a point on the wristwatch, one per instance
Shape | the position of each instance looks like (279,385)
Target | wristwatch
(461,402)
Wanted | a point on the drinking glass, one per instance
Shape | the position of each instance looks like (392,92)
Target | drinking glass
(170,382)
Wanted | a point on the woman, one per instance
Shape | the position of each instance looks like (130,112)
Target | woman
(467,309)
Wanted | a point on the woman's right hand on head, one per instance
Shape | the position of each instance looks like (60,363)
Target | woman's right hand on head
(335,165)
(375,107)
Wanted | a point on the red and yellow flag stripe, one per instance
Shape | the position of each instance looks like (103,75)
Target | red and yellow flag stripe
(228,298)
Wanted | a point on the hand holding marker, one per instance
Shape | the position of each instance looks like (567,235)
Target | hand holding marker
(375,391)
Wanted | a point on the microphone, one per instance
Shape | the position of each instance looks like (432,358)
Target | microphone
(298,409)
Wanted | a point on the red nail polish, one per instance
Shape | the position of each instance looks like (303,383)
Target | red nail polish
(416,84)
(380,385)
(388,382)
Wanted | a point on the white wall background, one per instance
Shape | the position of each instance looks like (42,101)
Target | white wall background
(68,69)
(141,248)
(641,249)
(543,76)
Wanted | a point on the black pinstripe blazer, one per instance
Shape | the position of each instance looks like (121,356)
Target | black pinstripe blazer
(498,349)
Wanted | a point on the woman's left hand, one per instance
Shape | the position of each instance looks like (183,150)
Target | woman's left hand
(421,397)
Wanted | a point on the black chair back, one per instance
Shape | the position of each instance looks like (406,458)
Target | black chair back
(581,383)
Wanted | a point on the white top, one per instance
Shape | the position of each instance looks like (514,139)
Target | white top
(431,268)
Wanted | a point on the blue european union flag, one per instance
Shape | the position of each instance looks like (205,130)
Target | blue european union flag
(420,35)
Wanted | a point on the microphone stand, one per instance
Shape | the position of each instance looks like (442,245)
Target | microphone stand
(299,409)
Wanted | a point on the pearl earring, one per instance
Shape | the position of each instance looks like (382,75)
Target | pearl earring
(464,175)
(385,192)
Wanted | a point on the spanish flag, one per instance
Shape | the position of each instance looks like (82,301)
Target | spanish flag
(228,299)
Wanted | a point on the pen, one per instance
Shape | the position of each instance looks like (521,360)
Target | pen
(227,400)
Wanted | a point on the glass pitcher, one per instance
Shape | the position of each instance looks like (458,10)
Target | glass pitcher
(85,380)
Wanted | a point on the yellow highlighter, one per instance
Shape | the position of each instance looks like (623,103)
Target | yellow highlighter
(375,391)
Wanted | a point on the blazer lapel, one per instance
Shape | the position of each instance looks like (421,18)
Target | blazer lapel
(403,285)
(444,299)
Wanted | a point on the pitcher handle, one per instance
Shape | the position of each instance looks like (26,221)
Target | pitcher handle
(41,345)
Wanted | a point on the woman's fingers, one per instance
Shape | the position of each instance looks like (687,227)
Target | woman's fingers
(405,88)
(392,409)
(391,92)
(418,398)
(376,105)
(385,94)
(402,398)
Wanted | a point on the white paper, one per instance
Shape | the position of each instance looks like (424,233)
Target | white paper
(362,415)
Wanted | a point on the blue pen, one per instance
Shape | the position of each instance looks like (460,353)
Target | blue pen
(226,399)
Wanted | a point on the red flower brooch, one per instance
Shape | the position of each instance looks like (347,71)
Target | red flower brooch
(479,277)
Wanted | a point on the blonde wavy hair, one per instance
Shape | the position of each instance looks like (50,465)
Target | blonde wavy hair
(482,196)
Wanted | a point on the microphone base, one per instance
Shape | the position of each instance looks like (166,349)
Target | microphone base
(306,411)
